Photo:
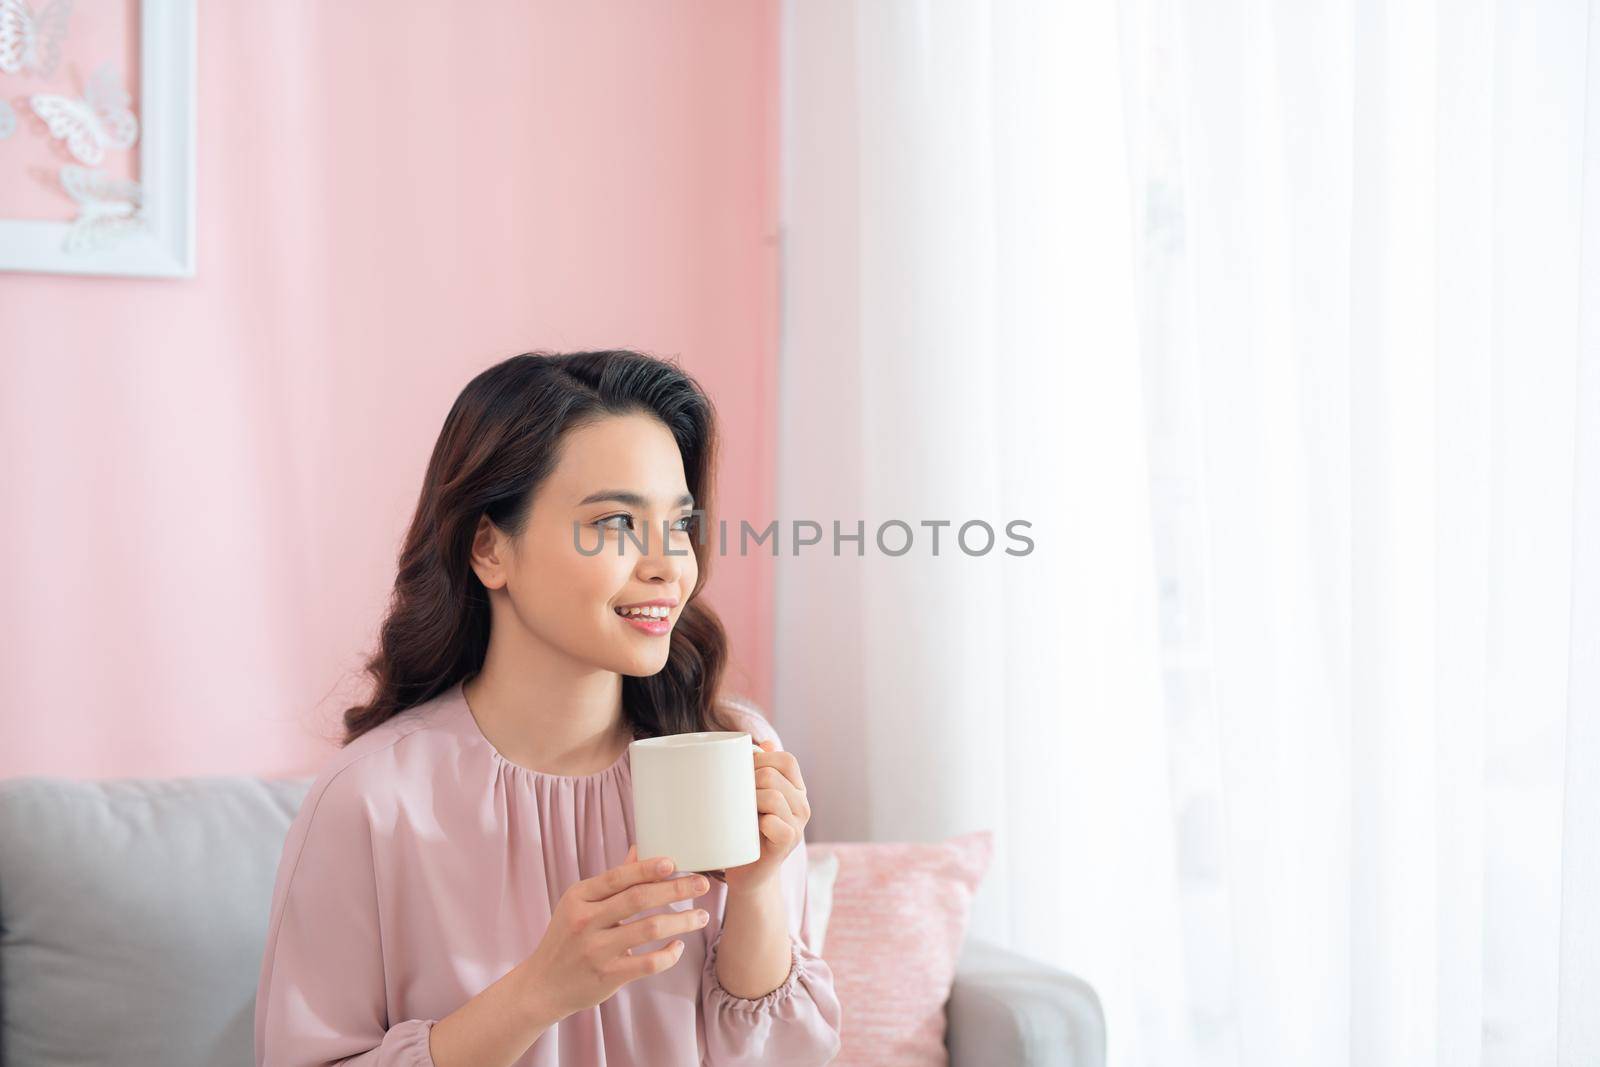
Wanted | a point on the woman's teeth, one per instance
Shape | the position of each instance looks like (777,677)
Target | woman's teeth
(644,613)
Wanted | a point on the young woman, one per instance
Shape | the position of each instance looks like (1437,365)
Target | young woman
(459,886)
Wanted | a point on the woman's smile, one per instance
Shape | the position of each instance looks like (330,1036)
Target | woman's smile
(651,616)
(650,624)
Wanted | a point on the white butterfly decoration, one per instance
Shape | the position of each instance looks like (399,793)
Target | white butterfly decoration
(110,208)
(29,41)
(90,125)
(8,120)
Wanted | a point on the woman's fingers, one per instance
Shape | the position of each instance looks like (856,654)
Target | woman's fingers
(769,778)
(660,893)
(773,802)
(608,884)
(778,830)
(654,927)
(641,964)
(783,761)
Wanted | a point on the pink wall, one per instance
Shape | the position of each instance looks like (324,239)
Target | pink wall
(205,481)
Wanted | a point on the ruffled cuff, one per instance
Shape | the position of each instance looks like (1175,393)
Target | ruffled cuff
(766,1003)
(406,1044)
(795,1025)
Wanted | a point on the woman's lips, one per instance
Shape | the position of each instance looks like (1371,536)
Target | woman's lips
(657,627)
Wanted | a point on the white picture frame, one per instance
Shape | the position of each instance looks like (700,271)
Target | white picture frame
(165,246)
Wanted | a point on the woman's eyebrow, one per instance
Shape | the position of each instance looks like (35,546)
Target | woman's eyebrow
(633,500)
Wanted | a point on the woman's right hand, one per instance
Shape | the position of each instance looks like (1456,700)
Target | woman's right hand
(585,954)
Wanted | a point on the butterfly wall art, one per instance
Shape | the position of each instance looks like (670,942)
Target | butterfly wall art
(98,120)
(31,41)
(115,157)
(109,209)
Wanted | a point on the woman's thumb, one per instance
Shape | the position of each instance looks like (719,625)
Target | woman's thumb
(632,849)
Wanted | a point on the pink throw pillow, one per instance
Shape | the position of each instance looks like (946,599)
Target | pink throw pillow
(898,922)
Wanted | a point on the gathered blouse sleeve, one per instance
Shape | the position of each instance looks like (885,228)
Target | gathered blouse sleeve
(796,1024)
(321,996)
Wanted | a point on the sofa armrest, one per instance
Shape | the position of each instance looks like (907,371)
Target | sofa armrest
(1007,1008)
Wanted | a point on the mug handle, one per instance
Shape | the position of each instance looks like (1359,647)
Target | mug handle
(718,874)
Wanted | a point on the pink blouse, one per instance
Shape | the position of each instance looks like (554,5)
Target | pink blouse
(423,866)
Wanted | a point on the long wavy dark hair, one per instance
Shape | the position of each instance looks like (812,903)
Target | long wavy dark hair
(499,443)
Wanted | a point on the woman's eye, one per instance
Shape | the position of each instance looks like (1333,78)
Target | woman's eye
(605,523)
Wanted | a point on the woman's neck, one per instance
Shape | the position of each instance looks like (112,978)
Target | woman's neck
(544,712)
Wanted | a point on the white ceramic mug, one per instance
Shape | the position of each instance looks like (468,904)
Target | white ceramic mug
(694,799)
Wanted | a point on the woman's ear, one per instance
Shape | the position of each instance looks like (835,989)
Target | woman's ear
(488,552)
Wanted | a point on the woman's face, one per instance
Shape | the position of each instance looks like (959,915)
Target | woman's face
(573,566)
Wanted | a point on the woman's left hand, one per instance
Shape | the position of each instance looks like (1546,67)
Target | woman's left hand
(783,812)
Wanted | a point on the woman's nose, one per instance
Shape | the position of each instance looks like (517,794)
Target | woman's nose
(661,556)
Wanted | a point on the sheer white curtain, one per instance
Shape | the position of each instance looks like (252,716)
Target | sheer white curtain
(1278,324)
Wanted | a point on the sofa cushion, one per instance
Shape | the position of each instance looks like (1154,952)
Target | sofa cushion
(132,916)
(821,873)
(895,933)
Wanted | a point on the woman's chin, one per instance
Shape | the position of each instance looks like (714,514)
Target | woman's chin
(642,665)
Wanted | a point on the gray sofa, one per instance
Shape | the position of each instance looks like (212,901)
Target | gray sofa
(133,914)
